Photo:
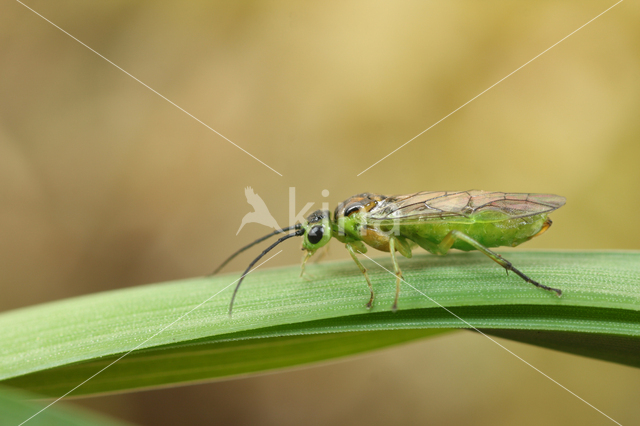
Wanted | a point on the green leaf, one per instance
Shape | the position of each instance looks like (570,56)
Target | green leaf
(16,407)
(281,320)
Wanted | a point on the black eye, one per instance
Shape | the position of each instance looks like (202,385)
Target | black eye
(315,234)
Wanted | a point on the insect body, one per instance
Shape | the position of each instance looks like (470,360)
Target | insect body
(435,221)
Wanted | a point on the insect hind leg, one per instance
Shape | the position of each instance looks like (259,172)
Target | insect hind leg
(446,244)
(396,267)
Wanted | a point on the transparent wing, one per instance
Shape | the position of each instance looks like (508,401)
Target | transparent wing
(438,205)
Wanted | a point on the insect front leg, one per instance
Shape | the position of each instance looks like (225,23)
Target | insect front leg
(307,255)
(352,252)
(396,267)
(447,242)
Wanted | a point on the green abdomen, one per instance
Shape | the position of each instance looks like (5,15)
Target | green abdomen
(485,229)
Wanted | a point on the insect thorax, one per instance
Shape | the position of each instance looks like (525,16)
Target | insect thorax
(358,203)
(350,223)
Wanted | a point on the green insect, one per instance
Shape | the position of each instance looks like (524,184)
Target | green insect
(437,221)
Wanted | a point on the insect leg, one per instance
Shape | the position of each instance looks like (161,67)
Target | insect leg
(307,255)
(352,252)
(448,241)
(396,267)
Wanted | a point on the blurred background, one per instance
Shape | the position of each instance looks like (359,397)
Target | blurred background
(104,185)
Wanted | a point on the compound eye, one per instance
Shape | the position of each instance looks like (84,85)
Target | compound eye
(315,234)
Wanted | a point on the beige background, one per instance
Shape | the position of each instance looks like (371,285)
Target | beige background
(105,185)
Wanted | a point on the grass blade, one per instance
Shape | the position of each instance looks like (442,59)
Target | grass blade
(282,321)
(16,407)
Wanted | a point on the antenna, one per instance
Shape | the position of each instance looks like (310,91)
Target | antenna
(248,246)
(298,233)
